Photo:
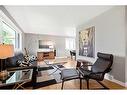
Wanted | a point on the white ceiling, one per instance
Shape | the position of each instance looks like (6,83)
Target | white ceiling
(53,20)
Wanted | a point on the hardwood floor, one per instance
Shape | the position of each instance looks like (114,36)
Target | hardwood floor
(74,84)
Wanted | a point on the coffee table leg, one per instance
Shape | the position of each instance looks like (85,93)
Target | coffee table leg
(53,72)
(57,68)
(18,85)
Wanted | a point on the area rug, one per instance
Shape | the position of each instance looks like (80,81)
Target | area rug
(45,83)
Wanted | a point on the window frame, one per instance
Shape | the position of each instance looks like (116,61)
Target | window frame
(18,35)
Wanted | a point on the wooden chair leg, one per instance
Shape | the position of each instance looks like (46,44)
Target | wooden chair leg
(105,87)
(87,81)
(62,84)
(80,83)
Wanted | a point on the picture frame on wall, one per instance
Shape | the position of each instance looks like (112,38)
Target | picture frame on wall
(87,42)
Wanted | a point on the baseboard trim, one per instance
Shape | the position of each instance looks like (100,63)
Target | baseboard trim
(110,78)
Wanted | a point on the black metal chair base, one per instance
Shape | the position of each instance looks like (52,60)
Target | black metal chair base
(105,87)
(87,81)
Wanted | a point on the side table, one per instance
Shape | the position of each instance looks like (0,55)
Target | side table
(17,78)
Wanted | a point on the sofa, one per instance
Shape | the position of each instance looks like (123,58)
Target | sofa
(12,62)
(11,65)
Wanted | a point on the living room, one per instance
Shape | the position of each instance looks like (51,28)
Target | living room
(54,38)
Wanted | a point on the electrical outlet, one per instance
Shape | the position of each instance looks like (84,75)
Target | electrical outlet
(111,77)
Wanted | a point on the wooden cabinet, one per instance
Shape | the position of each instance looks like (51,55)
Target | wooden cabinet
(40,56)
(45,55)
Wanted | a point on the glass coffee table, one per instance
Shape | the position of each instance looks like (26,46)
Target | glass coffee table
(17,78)
(54,63)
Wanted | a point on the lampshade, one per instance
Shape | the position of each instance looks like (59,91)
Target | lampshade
(6,50)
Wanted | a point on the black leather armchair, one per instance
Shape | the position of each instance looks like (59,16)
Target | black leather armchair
(97,72)
(98,69)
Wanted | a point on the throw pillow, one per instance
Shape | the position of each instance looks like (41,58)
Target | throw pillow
(22,63)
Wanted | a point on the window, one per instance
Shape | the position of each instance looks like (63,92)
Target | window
(70,43)
(9,36)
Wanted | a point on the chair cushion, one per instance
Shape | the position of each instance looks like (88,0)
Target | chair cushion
(84,72)
(89,74)
(105,56)
(95,76)
(69,74)
(100,65)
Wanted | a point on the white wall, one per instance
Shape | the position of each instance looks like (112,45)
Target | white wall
(31,43)
(109,38)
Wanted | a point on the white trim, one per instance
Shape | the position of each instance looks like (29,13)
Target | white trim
(111,78)
(118,82)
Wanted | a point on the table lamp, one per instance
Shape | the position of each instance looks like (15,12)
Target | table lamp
(6,50)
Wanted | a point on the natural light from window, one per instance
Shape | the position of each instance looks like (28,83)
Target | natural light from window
(70,43)
(9,35)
